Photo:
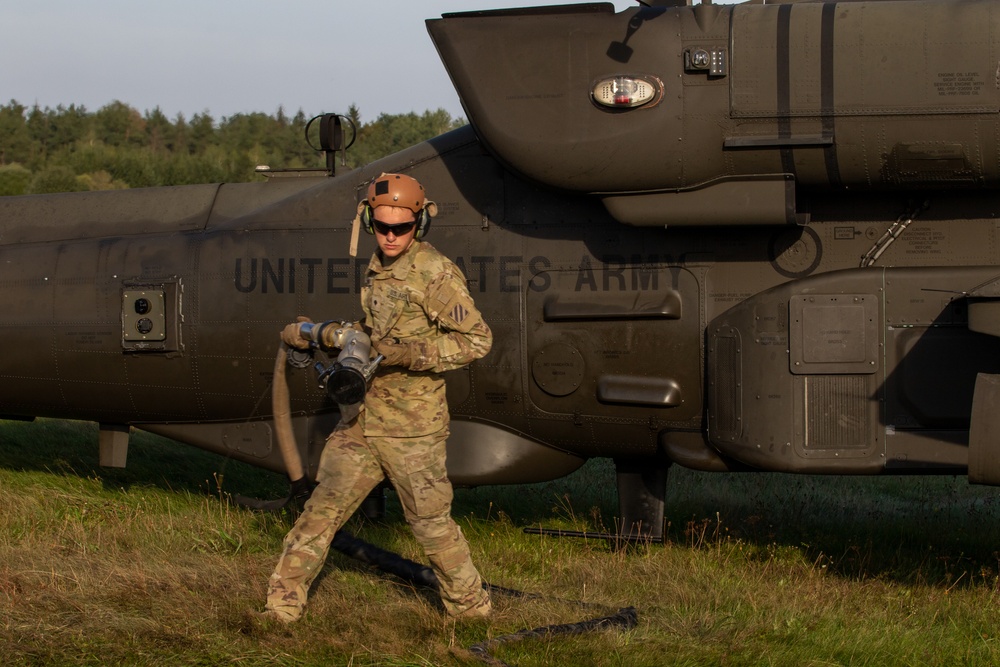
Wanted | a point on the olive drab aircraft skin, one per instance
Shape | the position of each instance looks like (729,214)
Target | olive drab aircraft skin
(741,237)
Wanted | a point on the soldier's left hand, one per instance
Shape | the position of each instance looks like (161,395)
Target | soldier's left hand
(396,354)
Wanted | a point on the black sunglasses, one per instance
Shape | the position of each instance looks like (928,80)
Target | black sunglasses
(398,230)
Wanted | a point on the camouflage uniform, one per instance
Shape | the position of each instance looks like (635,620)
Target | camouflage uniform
(421,300)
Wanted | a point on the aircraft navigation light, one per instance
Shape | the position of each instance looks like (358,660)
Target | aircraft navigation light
(627,92)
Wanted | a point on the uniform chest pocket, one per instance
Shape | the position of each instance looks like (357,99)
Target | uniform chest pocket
(387,306)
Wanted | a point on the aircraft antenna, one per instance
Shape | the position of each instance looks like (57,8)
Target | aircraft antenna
(331,138)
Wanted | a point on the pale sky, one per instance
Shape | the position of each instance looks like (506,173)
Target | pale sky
(231,56)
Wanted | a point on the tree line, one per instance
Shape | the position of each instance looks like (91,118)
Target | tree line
(69,149)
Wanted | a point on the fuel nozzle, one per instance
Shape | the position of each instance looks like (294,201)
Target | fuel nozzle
(348,378)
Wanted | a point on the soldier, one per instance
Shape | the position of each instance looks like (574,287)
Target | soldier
(422,319)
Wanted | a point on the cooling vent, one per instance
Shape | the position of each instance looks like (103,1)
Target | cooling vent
(836,412)
(726,408)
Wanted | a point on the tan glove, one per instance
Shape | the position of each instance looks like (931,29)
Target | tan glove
(291,335)
(395,353)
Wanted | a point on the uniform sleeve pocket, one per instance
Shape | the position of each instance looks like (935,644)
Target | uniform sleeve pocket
(438,299)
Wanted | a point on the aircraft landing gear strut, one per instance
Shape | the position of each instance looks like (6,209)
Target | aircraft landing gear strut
(642,488)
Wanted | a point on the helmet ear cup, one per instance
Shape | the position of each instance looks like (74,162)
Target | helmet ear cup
(423,223)
(429,210)
(367,215)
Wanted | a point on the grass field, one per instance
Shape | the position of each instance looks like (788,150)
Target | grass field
(154,565)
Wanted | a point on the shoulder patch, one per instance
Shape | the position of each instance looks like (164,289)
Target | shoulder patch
(459,313)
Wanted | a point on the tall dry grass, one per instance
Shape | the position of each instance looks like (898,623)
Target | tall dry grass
(153,565)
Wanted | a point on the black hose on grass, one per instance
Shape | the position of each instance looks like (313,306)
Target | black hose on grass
(626,619)
(422,575)
(387,561)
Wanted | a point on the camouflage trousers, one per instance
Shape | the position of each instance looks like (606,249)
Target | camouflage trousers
(350,467)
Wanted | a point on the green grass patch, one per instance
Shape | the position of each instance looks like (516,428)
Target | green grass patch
(154,564)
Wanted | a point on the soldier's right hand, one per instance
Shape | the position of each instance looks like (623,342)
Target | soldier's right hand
(291,335)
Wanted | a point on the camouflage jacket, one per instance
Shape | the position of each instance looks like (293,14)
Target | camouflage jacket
(420,299)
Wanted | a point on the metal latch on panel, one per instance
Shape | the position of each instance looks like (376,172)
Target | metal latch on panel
(151,316)
(710,59)
(143,317)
